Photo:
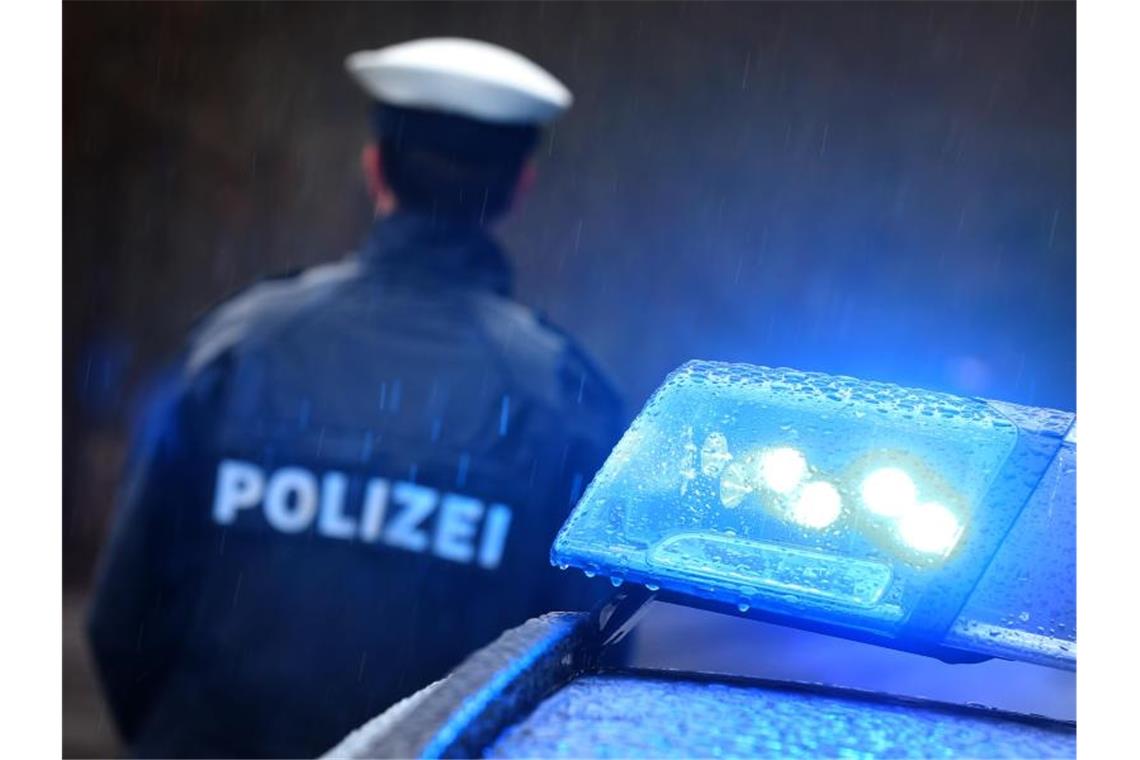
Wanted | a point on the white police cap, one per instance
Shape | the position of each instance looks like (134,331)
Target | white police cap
(464,77)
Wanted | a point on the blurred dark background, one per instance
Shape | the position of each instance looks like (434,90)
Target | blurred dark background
(883,190)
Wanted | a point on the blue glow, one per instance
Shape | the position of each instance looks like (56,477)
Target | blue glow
(930,528)
(863,508)
(782,469)
(889,492)
(817,505)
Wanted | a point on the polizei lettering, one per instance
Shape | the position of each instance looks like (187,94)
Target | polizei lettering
(398,514)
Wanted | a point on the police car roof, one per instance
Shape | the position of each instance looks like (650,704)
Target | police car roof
(528,695)
(461,76)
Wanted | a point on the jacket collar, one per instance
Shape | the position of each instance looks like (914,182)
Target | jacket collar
(411,246)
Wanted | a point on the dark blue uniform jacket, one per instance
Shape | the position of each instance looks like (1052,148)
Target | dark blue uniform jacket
(351,482)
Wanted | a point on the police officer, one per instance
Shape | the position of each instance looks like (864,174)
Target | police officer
(354,476)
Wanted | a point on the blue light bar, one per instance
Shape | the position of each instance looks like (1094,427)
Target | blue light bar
(913,519)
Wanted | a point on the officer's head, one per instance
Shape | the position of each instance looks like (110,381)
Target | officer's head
(446,165)
(455,124)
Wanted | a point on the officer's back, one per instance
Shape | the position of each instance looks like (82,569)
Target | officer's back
(354,476)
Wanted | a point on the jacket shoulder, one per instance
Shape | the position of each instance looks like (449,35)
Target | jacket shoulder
(589,383)
(262,308)
(549,362)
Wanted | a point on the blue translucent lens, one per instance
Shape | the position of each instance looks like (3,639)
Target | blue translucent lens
(861,508)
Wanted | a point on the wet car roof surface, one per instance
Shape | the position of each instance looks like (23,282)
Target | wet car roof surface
(626,715)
